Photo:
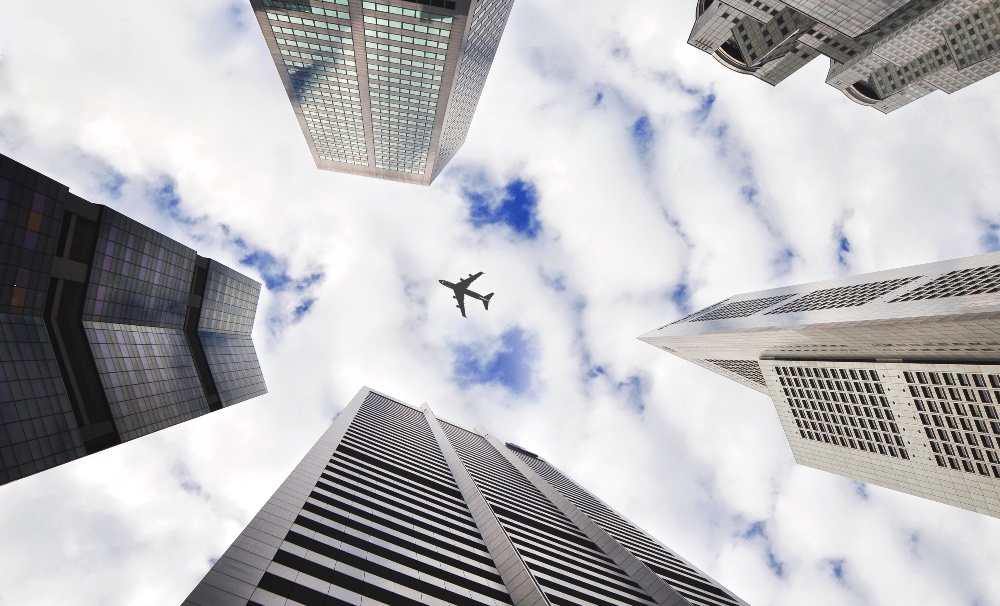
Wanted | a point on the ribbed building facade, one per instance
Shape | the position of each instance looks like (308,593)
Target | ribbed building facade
(109,330)
(383,89)
(395,506)
(891,378)
(883,53)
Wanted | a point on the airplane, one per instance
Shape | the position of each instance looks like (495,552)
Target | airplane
(462,288)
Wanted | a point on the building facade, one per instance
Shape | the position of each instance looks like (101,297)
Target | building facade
(395,506)
(883,53)
(383,89)
(108,330)
(891,378)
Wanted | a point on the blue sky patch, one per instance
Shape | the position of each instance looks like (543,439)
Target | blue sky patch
(681,296)
(860,489)
(758,532)
(634,391)
(510,365)
(643,135)
(989,241)
(843,246)
(514,206)
(837,568)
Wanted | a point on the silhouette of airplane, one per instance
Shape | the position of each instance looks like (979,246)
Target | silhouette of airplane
(462,288)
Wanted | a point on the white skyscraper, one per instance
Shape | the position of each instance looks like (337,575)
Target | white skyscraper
(891,378)
(883,53)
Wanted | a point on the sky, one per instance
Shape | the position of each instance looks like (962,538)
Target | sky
(614,179)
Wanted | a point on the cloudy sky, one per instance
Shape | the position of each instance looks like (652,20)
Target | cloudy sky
(614,178)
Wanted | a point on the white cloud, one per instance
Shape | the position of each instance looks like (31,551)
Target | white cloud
(185,93)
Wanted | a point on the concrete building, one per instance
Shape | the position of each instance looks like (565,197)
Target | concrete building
(891,378)
(883,53)
(395,506)
(383,89)
(108,330)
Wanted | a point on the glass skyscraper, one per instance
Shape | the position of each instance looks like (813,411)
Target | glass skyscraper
(108,330)
(891,378)
(883,53)
(395,506)
(383,89)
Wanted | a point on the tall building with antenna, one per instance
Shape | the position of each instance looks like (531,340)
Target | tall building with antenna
(396,506)
(383,89)
(891,378)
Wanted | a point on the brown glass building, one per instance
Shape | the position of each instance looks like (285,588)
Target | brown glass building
(109,330)
(383,89)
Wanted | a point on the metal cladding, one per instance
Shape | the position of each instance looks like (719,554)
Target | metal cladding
(891,378)
(100,338)
(383,89)
(396,506)
(883,53)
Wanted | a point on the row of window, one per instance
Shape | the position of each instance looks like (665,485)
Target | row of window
(406,91)
(371,33)
(334,60)
(314,76)
(428,111)
(406,12)
(309,89)
(416,52)
(337,27)
(423,29)
(307,34)
(420,64)
(305,8)
(313,66)
(413,83)
(403,72)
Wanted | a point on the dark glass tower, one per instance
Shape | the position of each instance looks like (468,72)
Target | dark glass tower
(108,330)
(396,506)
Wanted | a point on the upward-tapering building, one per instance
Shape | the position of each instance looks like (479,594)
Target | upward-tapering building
(383,89)
(108,330)
(395,506)
(891,378)
(883,53)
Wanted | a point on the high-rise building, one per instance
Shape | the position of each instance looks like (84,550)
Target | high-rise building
(108,330)
(383,89)
(395,506)
(891,378)
(883,53)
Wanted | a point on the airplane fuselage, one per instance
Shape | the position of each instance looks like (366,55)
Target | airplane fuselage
(464,291)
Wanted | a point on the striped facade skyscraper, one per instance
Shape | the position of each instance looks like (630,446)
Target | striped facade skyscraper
(383,89)
(883,53)
(109,330)
(395,506)
(891,378)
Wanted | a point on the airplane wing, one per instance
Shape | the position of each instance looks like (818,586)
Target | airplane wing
(465,283)
(461,301)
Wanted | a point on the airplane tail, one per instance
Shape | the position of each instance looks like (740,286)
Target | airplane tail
(486,300)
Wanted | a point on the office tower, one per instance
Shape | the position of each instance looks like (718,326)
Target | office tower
(883,53)
(383,89)
(108,330)
(891,378)
(395,506)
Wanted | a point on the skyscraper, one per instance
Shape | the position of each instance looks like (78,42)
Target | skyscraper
(383,89)
(891,378)
(883,53)
(396,506)
(108,330)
